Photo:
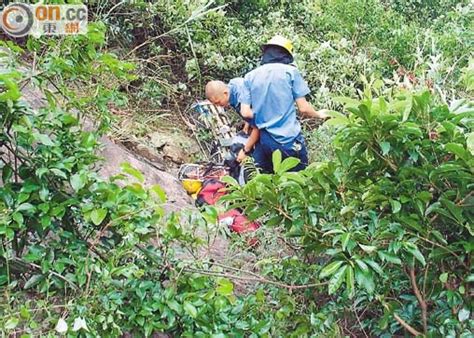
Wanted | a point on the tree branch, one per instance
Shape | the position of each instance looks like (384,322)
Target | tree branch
(403,323)
(24,264)
(407,326)
(255,279)
(419,297)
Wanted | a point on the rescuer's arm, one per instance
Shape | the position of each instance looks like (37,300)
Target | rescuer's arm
(252,140)
(307,110)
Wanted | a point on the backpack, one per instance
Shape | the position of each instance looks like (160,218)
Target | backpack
(212,190)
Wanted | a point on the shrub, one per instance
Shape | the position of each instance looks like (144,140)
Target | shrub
(390,216)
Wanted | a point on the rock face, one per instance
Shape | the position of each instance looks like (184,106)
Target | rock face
(175,153)
(114,155)
(150,154)
(171,146)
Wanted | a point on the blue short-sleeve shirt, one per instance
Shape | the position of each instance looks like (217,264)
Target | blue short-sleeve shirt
(236,90)
(271,90)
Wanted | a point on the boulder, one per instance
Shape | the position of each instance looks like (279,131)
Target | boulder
(114,155)
(175,153)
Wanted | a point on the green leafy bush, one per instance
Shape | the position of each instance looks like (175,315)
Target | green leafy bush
(390,217)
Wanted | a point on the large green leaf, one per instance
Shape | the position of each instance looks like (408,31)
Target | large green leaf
(345,239)
(287,164)
(470,142)
(78,181)
(336,280)
(225,287)
(230,181)
(350,281)
(464,314)
(12,91)
(190,309)
(330,269)
(337,119)
(413,250)
(396,206)
(385,147)
(276,160)
(454,209)
(7,173)
(98,215)
(368,248)
(34,280)
(389,257)
(375,266)
(458,150)
(158,190)
(175,306)
(365,279)
(11,323)
(346,101)
(402,106)
(43,139)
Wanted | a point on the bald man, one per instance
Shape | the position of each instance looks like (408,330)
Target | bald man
(230,94)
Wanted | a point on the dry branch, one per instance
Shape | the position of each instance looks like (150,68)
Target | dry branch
(258,279)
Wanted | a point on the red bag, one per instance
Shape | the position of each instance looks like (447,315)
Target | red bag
(212,190)
(237,222)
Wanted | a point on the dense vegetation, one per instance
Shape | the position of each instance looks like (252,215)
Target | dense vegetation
(373,239)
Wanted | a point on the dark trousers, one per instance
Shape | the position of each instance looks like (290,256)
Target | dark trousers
(267,145)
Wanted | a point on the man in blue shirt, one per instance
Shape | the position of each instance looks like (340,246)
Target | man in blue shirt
(225,95)
(230,94)
(272,91)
